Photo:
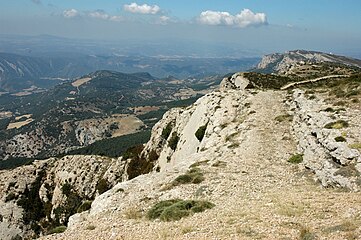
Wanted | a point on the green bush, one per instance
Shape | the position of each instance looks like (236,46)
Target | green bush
(340,139)
(172,210)
(284,117)
(66,189)
(167,130)
(58,229)
(102,186)
(192,176)
(173,141)
(133,152)
(85,206)
(32,204)
(329,109)
(201,131)
(297,158)
(337,125)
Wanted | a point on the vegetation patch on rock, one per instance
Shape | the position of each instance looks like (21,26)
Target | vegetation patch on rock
(58,229)
(173,141)
(194,175)
(284,117)
(337,125)
(340,139)
(139,163)
(85,206)
(201,131)
(167,130)
(175,209)
(296,158)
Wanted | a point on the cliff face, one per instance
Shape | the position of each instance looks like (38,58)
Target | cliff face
(44,194)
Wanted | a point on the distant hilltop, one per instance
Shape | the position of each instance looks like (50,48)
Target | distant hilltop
(282,62)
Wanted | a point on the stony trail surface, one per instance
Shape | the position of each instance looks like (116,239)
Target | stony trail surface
(312,80)
(257,193)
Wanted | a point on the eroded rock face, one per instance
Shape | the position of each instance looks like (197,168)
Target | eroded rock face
(334,163)
(184,123)
(46,193)
(220,112)
(236,81)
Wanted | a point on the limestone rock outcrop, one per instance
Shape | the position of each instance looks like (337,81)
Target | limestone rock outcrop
(334,163)
(45,193)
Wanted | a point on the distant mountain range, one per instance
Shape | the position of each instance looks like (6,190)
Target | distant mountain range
(23,72)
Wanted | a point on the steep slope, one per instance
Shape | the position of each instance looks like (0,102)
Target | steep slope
(243,157)
(20,72)
(38,197)
(283,63)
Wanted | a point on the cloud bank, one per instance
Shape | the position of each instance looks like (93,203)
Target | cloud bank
(244,19)
(101,14)
(142,9)
(70,13)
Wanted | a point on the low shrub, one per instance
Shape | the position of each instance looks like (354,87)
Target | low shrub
(85,206)
(340,139)
(66,188)
(173,141)
(58,229)
(172,210)
(337,125)
(192,176)
(329,109)
(102,186)
(167,130)
(284,117)
(200,132)
(133,152)
(296,158)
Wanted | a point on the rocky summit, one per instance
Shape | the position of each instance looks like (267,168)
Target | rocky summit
(246,161)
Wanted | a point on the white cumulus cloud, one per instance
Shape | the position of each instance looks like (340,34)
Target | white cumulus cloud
(70,13)
(143,9)
(244,19)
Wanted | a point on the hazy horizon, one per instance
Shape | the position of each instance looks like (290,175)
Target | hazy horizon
(257,26)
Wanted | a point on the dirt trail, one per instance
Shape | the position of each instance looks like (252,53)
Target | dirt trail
(312,80)
(258,194)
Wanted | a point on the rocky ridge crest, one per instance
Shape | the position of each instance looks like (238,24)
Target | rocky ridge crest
(283,63)
(243,151)
(243,155)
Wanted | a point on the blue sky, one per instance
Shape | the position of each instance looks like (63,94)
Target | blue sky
(268,25)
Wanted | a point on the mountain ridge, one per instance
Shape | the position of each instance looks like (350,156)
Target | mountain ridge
(243,148)
(283,62)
